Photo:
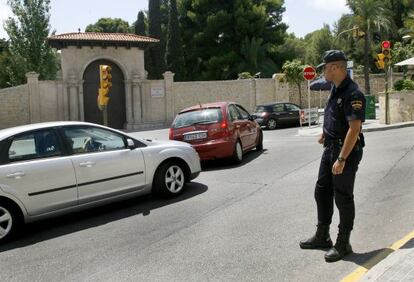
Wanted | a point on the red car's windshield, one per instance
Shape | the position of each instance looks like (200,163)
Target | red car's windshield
(201,116)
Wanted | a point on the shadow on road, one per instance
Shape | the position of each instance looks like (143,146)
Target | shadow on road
(370,259)
(51,228)
(229,164)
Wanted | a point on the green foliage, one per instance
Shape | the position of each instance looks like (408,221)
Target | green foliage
(139,25)
(245,75)
(317,43)
(174,58)
(293,74)
(255,59)
(27,31)
(292,48)
(224,38)
(155,58)
(5,63)
(370,16)
(111,25)
(404,84)
(398,85)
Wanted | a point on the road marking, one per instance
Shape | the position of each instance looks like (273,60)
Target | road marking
(362,270)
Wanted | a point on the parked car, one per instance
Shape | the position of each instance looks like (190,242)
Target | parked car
(218,130)
(280,114)
(47,169)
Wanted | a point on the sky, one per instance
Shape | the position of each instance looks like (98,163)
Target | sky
(302,16)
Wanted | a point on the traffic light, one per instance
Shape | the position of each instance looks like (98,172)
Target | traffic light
(380,61)
(105,76)
(105,85)
(357,33)
(386,51)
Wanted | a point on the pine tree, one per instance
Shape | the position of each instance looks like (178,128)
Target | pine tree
(174,59)
(155,64)
(140,24)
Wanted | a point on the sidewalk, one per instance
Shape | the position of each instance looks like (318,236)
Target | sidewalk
(368,126)
(399,264)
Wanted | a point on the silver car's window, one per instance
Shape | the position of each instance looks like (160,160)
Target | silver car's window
(40,144)
(93,139)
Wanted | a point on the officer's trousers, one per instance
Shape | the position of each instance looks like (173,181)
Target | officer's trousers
(339,187)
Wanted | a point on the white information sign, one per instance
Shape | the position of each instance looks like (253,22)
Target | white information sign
(157,91)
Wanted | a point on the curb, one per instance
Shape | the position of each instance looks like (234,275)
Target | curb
(388,127)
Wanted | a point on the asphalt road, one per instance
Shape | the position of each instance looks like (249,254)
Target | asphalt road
(233,223)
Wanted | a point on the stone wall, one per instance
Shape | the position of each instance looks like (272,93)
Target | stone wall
(14,106)
(52,100)
(401,106)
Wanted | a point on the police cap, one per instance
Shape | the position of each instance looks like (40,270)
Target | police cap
(332,56)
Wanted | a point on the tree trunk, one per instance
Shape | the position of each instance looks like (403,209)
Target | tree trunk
(300,95)
(367,63)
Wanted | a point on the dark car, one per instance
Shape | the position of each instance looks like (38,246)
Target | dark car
(218,130)
(279,114)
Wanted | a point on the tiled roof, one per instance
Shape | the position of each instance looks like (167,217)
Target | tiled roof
(99,39)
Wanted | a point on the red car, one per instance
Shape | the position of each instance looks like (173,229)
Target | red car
(218,130)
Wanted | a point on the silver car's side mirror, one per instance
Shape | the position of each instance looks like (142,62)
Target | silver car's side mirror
(131,144)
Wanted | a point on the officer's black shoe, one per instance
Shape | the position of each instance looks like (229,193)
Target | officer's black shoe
(340,250)
(321,239)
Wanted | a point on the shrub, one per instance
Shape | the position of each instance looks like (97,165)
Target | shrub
(398,85)
(406,84)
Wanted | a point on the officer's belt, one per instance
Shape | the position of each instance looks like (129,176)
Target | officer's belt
(333,142)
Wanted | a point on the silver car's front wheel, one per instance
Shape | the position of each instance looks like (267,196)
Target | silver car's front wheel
(174,179)
(169,179)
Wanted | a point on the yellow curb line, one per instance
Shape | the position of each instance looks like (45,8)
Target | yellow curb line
(362,270)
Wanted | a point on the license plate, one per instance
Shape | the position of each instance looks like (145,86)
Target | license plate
(195,136)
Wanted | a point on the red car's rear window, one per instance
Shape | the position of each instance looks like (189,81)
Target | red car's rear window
(201,116)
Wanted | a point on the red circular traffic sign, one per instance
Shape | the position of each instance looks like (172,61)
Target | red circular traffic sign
(309,73)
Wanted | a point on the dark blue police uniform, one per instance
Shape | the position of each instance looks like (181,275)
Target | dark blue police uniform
(346,103)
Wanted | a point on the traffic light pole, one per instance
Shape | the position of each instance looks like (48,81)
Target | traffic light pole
(387,104)
(105,115)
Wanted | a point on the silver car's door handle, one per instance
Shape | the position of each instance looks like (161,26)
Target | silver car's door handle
(87,164)
(16,175)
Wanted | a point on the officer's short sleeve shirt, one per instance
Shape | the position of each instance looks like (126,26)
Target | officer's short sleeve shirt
(354,106)
(346,103)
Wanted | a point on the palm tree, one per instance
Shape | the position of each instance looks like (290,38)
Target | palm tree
(370,16)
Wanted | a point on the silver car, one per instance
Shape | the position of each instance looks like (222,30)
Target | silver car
(48,169)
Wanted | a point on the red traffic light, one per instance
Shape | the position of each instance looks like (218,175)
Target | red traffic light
(386,44)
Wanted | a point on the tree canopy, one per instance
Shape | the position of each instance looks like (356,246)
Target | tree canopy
(27,32)
(111,25)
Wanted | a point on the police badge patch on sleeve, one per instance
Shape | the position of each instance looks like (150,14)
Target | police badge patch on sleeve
(356,105)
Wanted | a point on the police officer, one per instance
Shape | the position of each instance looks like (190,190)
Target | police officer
(343,142)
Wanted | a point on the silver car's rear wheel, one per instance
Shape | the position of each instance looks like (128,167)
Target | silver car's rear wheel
(9,221)
(6,222)
(169,179)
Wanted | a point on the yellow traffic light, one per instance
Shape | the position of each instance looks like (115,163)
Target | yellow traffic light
(105,85)
(386,51)
(103,97)
(105,76)
(380,61)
